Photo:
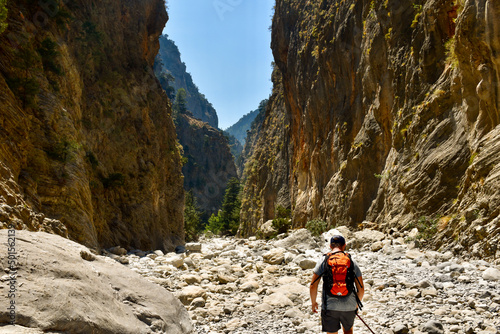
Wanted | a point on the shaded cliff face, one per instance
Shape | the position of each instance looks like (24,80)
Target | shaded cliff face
(393,110)
(169,59)
(208,164)
(266,157)
(88,147)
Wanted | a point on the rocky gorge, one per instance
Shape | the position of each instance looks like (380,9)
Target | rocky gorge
(384,112)
(233,285)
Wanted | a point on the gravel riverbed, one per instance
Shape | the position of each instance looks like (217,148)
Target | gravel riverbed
(238,286)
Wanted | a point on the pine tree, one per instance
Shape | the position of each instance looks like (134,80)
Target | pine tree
(227,220)
(180,101)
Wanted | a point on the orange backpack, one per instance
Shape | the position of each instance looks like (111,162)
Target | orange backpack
(339,274)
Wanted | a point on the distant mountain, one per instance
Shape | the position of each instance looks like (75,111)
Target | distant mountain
(207,160)
(172,73)
(240,128)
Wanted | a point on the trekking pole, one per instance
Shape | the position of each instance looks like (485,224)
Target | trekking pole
(365,323)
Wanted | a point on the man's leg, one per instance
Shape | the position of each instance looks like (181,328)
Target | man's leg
(350,331)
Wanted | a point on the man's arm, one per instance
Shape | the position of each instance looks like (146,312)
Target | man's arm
(360,286)
(313,292)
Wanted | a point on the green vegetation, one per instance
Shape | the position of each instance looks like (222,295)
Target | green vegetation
(180,104)
(418,13)
(316,227)
(427,227)
(48,52)
(227,220)
(3,15)
(63,150)
(192,217)
(282,221)
(90,32)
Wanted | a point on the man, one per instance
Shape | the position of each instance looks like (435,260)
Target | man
(336,311)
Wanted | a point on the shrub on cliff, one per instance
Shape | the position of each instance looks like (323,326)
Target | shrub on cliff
(3,15)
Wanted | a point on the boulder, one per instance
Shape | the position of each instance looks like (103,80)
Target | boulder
(307,264)
(274,256)
(365,237)
(278,299)
(267,230)
(190,293)
(193,247)
(433,327)
(62,292)
(300,239)
(491,274)
(117,250)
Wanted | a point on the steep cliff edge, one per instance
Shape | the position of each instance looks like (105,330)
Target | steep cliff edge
(207,161)
(88,146)
(394,113)
(169,62)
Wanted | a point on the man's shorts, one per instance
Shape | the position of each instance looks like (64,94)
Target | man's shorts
(331,320)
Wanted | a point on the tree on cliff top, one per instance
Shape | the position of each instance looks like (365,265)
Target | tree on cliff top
(180,101)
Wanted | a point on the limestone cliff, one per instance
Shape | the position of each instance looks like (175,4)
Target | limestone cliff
(208,163)
(169,61)
(88,146)
(393,109)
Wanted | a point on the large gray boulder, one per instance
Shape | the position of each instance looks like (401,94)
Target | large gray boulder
(60,291)
(300,239)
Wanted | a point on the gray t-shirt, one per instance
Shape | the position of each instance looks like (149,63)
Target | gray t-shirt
(347,303)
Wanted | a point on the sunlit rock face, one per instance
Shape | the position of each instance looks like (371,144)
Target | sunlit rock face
(390,112)
(88,147)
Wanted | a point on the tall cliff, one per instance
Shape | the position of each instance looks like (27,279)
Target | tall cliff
(393,109)
(169,61)
(207,161)
(88,146)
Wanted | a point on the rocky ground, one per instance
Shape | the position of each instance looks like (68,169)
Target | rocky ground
(255,286)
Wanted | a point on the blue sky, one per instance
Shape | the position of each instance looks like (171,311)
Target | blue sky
(226,47)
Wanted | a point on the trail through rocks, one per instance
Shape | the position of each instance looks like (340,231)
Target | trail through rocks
(242,286)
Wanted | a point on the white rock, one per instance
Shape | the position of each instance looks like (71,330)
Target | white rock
(249,286)
(190,293)
(193,247)
(274,256)
(278,299)
(307,264)
(491,274)
(294,313)
(300,239)
(234,324)
(191,279)
(174,260)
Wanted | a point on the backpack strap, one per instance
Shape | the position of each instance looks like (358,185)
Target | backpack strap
(358,301)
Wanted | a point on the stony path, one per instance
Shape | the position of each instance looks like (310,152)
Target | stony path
(253,286)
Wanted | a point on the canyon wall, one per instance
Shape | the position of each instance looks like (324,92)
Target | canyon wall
(207,161)
(169,61)
(88,147)
(393,114)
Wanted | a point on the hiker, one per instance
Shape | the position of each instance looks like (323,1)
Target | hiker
(342,288)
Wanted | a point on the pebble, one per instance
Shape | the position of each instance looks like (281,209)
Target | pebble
(240,286)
